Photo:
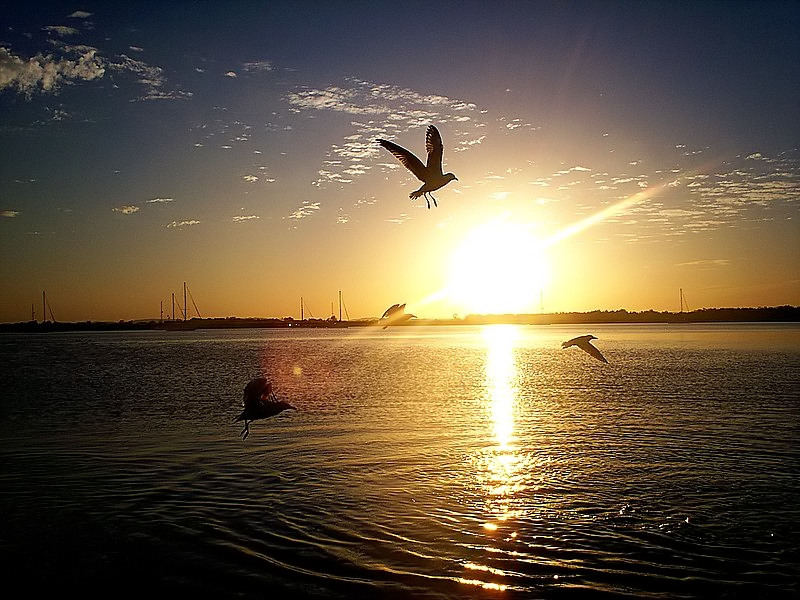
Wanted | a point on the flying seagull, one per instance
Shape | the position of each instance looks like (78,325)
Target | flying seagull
(260,402)
(429,174)
(584,343)
(395,314)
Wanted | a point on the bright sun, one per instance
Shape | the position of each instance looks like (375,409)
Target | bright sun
(499,268)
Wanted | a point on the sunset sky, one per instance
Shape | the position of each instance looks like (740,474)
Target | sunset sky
(607,154)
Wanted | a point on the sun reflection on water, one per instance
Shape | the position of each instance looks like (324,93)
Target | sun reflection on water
(504,477)
(501,477)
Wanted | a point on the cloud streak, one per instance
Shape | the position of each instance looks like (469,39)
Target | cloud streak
(182,224)
(306,209)
(151,77)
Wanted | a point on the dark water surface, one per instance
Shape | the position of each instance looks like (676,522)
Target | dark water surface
(440,462)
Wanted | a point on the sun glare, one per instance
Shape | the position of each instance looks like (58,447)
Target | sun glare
(498,268)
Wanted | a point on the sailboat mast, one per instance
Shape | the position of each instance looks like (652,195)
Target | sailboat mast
(44,306)
(185,307)
(173,306)
(340,305)
(301,308)
(161,307)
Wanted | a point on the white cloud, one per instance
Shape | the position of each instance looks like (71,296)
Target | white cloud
(44,73)
(61,30)
(467,144)
(250,178)
(230,74)
(126,209)
(383,110)
(500,195)
(182,224)
(306,209)
(241,218)
(136,48)
(399,220)
(151,76)
(159,200)
(258,66)
(80,14)
(10,214)
(711,262)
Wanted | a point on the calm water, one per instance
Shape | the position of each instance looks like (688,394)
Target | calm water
(441,462)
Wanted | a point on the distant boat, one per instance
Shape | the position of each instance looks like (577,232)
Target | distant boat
(181,325)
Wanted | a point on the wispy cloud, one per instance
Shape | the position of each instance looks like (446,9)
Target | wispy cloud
(80,14)
(230,74)
(258,66)
(9,214)
(382,110)
(60,30)
(241,218)
(182,224)
(126,209)
(160,200)
(151,77)
(709,262)
(306,209)
(399,220)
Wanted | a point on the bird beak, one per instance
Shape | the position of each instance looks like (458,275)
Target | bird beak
(456,178)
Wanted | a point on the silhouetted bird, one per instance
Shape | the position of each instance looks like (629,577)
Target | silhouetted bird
(260,402)
(429,174)
(584,343)
(395,314)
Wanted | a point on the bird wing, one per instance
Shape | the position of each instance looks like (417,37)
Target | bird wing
(393,308)
(406,158)
(433,144)
(254,391)
(587,346)
(571,342)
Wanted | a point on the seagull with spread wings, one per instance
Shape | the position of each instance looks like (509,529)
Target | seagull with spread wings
(584,342)
(429,174)
(260,402)
(395,314)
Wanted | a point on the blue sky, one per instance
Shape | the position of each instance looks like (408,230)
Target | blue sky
(233,145)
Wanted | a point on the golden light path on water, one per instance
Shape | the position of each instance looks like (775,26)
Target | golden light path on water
(502,478)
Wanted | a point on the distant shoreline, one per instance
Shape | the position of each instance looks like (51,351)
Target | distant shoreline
(772,314)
